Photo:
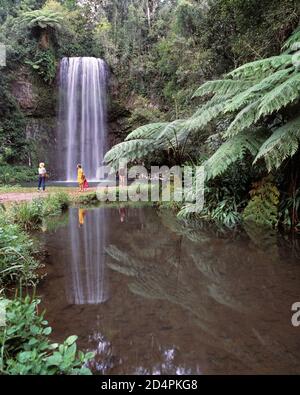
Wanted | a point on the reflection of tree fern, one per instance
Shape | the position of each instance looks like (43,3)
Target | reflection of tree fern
(216,278)
(125,266)
(193,229)
(172,222)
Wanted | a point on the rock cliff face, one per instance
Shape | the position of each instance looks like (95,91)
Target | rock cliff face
(22,90)
(38,103)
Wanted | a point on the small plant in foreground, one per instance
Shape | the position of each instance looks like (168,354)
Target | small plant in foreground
(25,348)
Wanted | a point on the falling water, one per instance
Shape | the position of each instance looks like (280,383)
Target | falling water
(82,116)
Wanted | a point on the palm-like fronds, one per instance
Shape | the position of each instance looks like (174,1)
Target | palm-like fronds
(245,97)
(244,119)
(233,150)
(281,96)
(262,67)
(223,87)
(147,131)
(289,45)
(130,150)
(42,18)
(282,144)
(204,116)
(257,90)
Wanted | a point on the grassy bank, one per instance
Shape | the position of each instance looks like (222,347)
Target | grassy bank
(25,346)
(30,215)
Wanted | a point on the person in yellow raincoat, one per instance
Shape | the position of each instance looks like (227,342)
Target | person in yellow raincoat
(80,177)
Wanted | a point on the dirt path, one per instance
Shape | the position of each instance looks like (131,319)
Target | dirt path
(20,196)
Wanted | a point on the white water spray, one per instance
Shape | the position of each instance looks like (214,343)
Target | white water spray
(82,116)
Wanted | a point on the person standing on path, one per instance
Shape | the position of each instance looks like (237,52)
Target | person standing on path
(42,177)
(80,178)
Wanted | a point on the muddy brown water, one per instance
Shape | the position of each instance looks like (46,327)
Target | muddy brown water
(150,296)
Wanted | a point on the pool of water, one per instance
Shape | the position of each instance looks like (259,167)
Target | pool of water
(150,296)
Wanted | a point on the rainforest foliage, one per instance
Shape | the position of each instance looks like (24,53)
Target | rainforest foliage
(212,82)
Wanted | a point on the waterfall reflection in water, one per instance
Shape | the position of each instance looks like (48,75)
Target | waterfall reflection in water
(181,300)
(87,233)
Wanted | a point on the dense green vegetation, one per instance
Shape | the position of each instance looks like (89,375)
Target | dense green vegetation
(242,123)
(18,253)
(17,260)
(25,347)
(197,82)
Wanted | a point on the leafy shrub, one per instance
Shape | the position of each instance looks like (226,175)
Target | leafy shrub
(15,174)
(16,253)
(26,348)
(263,206)
(45,65)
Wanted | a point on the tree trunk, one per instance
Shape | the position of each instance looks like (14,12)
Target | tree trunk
(44,40)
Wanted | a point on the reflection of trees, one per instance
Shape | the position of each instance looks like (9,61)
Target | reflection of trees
(234,291)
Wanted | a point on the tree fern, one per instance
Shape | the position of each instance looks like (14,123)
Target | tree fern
(290,43)
(202,117)
(246,95)
(257,90)
(264,66)
(244,119)
(130,150)
(281,96)
(233,150)
(147,131)
(282,144)
(223,87)
(42,18)
(172,133)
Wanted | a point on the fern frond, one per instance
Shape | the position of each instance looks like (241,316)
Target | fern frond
(203,116)
(223,87)
(130,150)
(256,90)
(269,65)
(42,18)
(281,96)
(282,144)
(147,131)
(289,45)
(172,133)
(244,119)
(232,150)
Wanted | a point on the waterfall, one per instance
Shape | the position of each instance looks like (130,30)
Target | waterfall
(82,117)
